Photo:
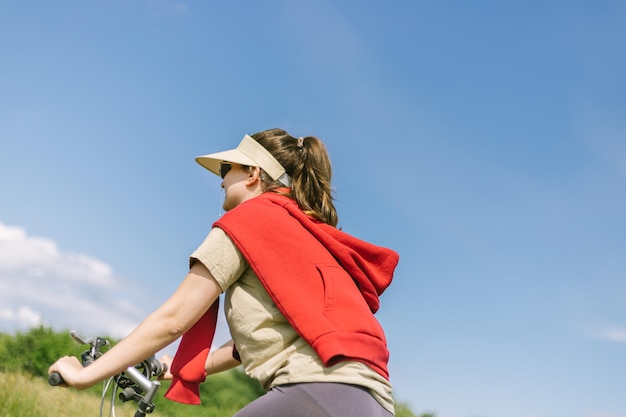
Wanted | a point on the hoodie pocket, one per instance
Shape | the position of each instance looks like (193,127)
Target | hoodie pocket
(344,306)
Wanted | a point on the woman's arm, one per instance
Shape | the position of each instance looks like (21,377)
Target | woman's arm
(221,359)
(218,360)
(189,302)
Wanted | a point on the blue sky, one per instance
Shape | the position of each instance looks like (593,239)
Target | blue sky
(484,141)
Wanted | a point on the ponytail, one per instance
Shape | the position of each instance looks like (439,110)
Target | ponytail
(306,160)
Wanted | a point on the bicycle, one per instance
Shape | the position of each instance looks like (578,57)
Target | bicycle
(136,382)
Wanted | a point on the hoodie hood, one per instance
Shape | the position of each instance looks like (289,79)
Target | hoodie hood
(370,266)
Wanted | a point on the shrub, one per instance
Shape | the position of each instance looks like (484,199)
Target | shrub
(34,351)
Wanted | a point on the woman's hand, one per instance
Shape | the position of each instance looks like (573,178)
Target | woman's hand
(167,361)
(71,371)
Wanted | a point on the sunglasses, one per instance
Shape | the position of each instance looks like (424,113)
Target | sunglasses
(224,168)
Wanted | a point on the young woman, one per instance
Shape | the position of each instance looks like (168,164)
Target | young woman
(300,295)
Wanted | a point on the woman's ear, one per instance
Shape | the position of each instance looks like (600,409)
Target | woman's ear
(254,175)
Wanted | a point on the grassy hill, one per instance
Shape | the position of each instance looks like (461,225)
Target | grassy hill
(22,395)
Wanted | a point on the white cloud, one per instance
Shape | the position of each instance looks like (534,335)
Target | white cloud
(615,334)
(41,284)
(23,316)
(34,257)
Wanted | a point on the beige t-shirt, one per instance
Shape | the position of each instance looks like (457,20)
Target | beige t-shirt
(271,350)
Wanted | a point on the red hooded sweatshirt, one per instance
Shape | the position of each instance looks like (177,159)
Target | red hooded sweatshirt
(324,281)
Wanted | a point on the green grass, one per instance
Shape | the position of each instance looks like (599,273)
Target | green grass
(26,396)
(23,395)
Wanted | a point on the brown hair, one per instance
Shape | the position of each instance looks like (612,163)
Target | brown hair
(308,164)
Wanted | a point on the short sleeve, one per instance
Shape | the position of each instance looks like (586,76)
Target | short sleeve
(221,257)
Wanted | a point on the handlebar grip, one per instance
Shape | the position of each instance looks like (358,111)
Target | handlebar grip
(155,367)
(55,379)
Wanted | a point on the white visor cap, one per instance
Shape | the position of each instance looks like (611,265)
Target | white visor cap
(250,153)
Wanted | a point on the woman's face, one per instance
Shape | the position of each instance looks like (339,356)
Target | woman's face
(240,184)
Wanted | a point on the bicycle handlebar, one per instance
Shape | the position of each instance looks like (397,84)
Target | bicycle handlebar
(156,369)
(55,379)
(134,380)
